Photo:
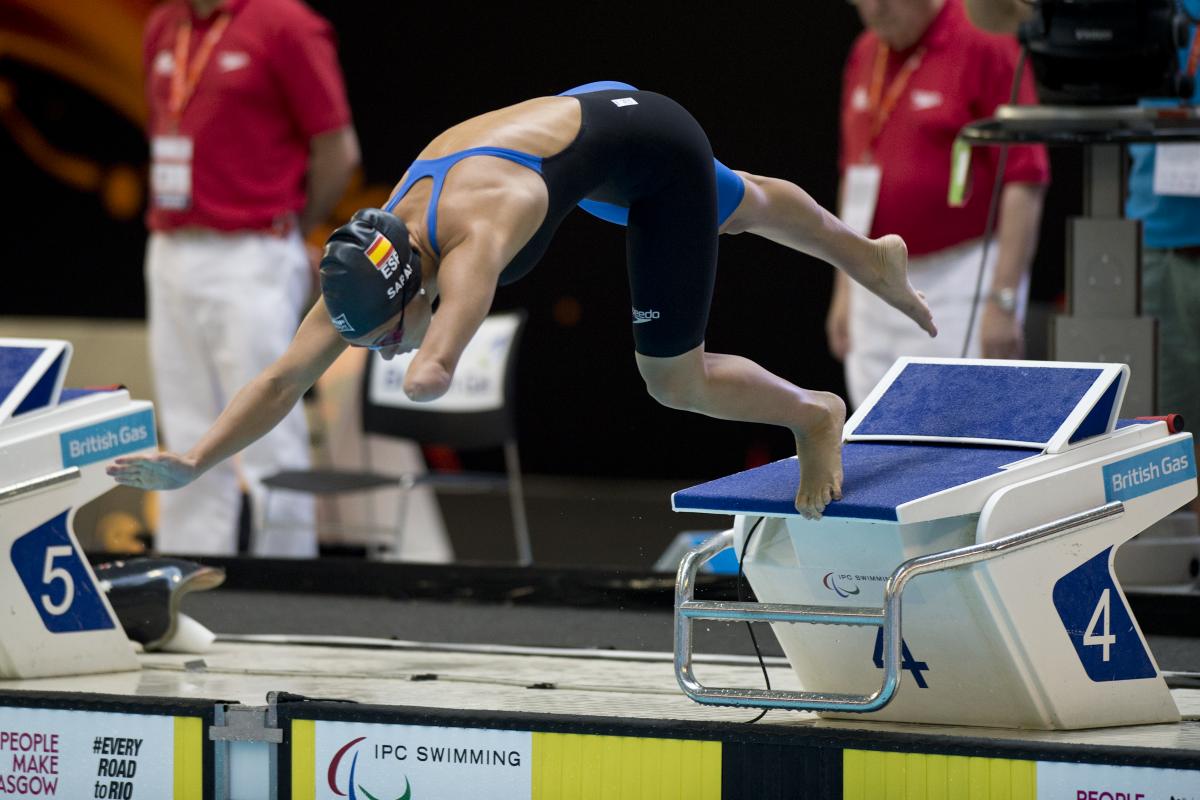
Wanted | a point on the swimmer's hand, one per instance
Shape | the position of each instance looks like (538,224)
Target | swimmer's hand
(426,380)
(161,470)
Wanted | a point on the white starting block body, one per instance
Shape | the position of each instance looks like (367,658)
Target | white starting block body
(947,454)
(54,447)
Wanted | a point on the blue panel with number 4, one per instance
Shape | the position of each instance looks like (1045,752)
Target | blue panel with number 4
(1094,614)
(57,581)
(907,660)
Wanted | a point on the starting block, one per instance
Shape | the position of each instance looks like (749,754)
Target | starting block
(983,500)
(56,444)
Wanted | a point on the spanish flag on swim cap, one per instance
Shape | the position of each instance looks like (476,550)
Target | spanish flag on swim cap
(379,250)
(368,273)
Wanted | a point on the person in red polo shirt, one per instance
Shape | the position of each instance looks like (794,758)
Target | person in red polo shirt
(251,145)
(917,74)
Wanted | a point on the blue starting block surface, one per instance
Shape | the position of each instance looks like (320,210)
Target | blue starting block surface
(878,478)
(1046,405)
(31,375)
(933,424)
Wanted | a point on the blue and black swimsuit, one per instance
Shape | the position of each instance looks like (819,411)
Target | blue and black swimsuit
(639,160)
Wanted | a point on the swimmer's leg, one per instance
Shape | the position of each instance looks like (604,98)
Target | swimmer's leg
(672,261)
(736,388)
(784,213)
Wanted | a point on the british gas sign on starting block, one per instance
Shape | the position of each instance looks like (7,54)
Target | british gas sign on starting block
(1148,472)
(107,439)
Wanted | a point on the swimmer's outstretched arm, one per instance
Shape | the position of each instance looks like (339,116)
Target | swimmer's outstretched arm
(255,409)
(466,285)
(784,213)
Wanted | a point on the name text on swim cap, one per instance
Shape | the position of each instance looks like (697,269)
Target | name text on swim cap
(398,286)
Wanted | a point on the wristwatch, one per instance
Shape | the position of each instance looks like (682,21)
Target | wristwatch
(1004,299)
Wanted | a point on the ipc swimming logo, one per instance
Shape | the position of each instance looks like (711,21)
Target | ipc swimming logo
(842,591)
(355,790)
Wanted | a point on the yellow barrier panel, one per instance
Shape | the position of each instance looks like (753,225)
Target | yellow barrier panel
(304,740)
(582,767)
(874,775)
(189,758)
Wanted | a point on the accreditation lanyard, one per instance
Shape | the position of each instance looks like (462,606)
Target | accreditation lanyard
(881,103)
(186,75)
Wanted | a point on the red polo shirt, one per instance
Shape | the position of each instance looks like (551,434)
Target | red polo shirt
(270,84)
(963,75)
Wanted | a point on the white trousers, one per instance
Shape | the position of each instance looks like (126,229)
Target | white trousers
(879,334)
(223,306)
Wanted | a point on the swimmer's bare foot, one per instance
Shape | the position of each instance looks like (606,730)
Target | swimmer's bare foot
(819,447)
(893,286)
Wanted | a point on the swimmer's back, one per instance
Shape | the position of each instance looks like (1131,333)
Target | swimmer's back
(543,126)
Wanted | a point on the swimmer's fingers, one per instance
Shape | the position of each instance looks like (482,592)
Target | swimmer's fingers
(126,461)
(157,471)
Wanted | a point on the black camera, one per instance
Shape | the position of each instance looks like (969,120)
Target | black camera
(1106,52)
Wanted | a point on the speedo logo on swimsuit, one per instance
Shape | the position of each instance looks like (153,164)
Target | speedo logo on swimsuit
(621,102)
(644,316)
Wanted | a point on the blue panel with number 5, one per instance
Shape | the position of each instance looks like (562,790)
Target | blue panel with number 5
(1094,614)
(57,581)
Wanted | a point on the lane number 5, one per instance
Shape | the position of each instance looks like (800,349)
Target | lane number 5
(51,573)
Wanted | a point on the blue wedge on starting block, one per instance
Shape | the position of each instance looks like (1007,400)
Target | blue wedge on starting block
(1043,405)
(31,375)
(1003,404)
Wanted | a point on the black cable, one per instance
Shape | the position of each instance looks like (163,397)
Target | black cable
(741,585)
(993,208)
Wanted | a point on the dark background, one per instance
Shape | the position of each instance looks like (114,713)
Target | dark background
(764,81)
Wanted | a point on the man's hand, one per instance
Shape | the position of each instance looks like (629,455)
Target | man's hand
(1001,334)
(162,470)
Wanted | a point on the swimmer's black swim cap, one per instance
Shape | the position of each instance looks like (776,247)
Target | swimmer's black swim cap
(369,272)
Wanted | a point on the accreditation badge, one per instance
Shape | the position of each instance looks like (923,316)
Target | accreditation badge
(860,195)
(171,172)
(1177,169)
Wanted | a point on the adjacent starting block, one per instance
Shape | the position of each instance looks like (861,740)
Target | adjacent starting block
(55,445)
(984,500)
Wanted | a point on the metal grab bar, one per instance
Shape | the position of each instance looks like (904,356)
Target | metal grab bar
(18,490)
(888,617)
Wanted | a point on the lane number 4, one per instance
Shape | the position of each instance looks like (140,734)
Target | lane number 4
(1101,617)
